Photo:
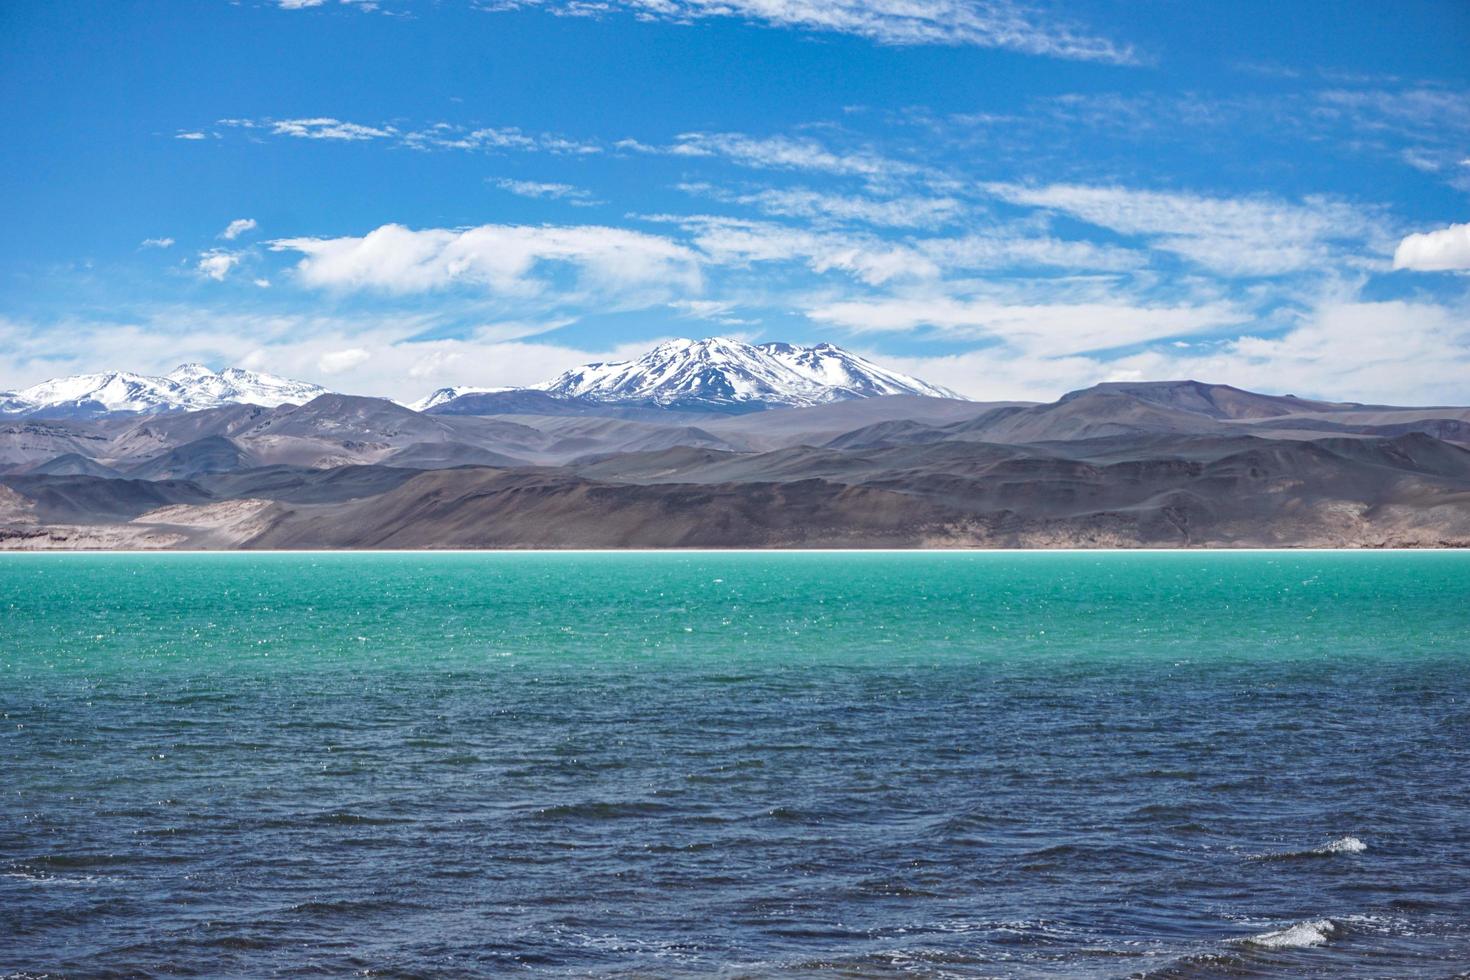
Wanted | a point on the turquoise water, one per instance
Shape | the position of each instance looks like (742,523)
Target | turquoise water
(1041,764)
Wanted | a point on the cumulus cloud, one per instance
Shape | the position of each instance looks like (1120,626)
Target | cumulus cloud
(217,263)
(237,228)
(1445,250)
(501,259)
(156,243)
(337,361)
(1249,236)
(980,23)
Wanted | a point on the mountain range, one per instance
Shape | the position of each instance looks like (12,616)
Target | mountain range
(712,375)
(187,388)
(710,445)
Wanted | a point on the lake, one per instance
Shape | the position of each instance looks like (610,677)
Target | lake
(740,764)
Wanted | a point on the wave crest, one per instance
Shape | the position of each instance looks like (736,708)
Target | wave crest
(1313,932)
(1343,845)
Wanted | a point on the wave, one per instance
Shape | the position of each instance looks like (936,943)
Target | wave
(1343,845)
(1313,932)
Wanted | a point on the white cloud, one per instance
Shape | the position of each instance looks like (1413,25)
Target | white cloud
(1397,352)
(237,228)
(1249,236)
(789,153)
(192,134)
(540,189)
(446,136)
(326,128)
(1421,113)
(1447,249)
(870,259)
(1392,353)
(981,23)
(876,260)
(217,263)
(436,136)
(1047,329)
(156,243)
(714,310)
(907,211)
(337,361)
(1386,353)
(396,365)
(1005,249)
(502,259)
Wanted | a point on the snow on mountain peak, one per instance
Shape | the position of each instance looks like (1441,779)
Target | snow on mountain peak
(443,395)
(192,371)
(719,372)
(189,387)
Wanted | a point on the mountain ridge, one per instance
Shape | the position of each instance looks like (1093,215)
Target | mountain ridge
(188,387)
(719,372)
(714,374)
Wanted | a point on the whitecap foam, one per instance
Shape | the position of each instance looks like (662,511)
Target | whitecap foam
(1313,932)
(1343,845)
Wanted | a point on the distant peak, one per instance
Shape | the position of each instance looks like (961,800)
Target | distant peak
(723,372)
(188,371)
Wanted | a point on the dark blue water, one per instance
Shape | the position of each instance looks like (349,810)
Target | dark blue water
(1064,765)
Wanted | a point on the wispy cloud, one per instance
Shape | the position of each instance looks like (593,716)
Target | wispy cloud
(788,153)
(448,136)
(156,243)
(1045,329)
(1240,236)
(876,260)
(979,23)
(432,136)
(545,189)
(326,128)
(906,211)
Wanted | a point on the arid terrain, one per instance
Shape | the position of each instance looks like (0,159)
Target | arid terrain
(1168,464)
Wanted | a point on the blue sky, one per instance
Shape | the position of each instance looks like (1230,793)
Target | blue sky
(1013,199)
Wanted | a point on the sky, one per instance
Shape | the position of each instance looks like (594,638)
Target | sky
(1013,199)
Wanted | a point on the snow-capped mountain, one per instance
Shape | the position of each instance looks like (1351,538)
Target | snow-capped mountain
(727,373)
(443,395)
(189,387)
(830,365)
